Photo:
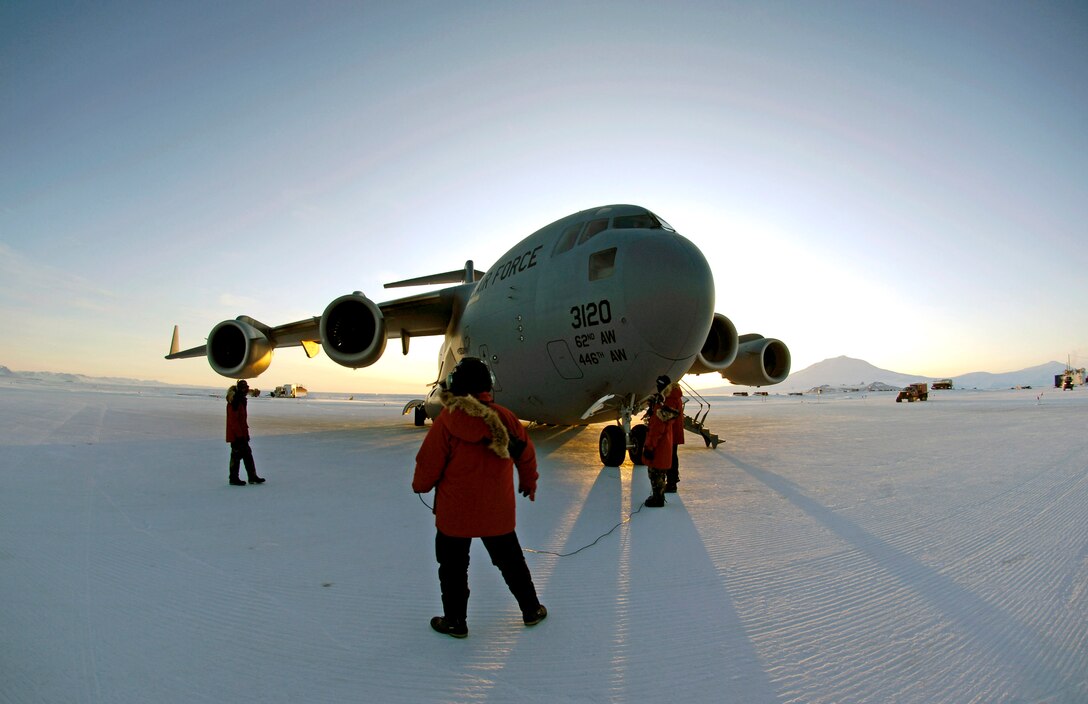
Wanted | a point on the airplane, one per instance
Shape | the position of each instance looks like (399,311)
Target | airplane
(576,321)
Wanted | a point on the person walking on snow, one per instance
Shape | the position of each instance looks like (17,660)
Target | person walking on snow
(238,435)
(468,458)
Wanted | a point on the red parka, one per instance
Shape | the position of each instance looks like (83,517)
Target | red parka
(659,440)
(674,399)
(466,458)
(237,418)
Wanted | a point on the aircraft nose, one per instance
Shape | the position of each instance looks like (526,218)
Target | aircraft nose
(672,304)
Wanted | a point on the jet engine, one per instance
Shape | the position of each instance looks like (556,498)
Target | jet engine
(720,348)
(238,349)
(353,331)
(760,361)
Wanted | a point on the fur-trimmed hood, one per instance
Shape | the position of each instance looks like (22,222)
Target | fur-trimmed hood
(668,394)
(472,420)
(665,413)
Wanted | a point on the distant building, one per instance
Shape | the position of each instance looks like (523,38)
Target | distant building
(290,391)
(1069,378)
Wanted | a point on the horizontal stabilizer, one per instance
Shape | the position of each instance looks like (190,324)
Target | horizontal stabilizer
(458,276)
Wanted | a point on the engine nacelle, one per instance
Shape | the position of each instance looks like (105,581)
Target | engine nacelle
(720,348)
(238,350)
(760,361)
(353,331)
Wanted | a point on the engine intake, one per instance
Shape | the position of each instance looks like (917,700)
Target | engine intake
(238,350)
(760,361)
(720,348)
(353,331)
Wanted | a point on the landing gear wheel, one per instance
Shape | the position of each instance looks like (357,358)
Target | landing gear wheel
(638,440)
(613,446)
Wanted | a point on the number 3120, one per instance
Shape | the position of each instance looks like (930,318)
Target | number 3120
(591,314)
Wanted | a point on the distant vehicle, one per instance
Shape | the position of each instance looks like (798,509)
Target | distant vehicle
(914,392)
(290,391)
(942,384)
(1070,378)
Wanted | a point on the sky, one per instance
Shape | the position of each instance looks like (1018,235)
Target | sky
(900,183)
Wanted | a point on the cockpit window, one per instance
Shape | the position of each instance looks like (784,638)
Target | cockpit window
(567,239)
(593,227)
(643,221)
(602,264)
(582,232)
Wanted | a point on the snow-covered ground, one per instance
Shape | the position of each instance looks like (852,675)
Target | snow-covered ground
(847,550)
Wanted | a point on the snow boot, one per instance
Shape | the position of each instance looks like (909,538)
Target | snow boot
(256,480)
(535,616)
(450,627)
(655,501)
(237,482)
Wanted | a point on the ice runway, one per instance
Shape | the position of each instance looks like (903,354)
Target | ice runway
(850,550)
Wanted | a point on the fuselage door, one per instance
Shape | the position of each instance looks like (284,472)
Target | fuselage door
(563,360)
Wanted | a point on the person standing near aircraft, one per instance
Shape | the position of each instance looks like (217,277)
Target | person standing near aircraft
(674,399)
(238,434)
(468,458)
(657,451)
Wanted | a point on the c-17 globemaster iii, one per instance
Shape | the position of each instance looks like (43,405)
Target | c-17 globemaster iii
(576,321)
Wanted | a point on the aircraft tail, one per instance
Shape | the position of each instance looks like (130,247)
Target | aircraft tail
(457,276)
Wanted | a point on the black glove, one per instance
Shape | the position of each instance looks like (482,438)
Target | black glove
(647,454)
(526,491)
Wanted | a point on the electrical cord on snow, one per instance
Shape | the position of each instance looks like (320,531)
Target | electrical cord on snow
(565,554)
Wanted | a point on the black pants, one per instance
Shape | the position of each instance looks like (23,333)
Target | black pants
(673,474)
(240,452)
(506,554)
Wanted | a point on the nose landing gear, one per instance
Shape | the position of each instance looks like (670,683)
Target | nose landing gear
(617,441)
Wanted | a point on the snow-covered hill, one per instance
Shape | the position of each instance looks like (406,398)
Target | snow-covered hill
(847,372)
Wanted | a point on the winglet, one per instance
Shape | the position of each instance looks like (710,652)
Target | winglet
(177,353)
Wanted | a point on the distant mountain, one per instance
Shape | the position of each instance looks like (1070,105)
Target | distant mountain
(849,373)
(846,372)
(1041,376)
(58,377)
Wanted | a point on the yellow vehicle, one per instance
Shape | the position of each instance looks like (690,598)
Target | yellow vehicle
(914,392)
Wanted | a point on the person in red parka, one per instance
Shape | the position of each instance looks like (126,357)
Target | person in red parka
(238,435)
(657,451)
(468,458)
(674,399)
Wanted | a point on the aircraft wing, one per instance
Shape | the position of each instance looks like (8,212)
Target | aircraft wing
(357,328)
(301,332)
(425,313)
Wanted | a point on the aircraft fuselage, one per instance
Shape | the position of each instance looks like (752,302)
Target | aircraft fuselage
(595,305)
